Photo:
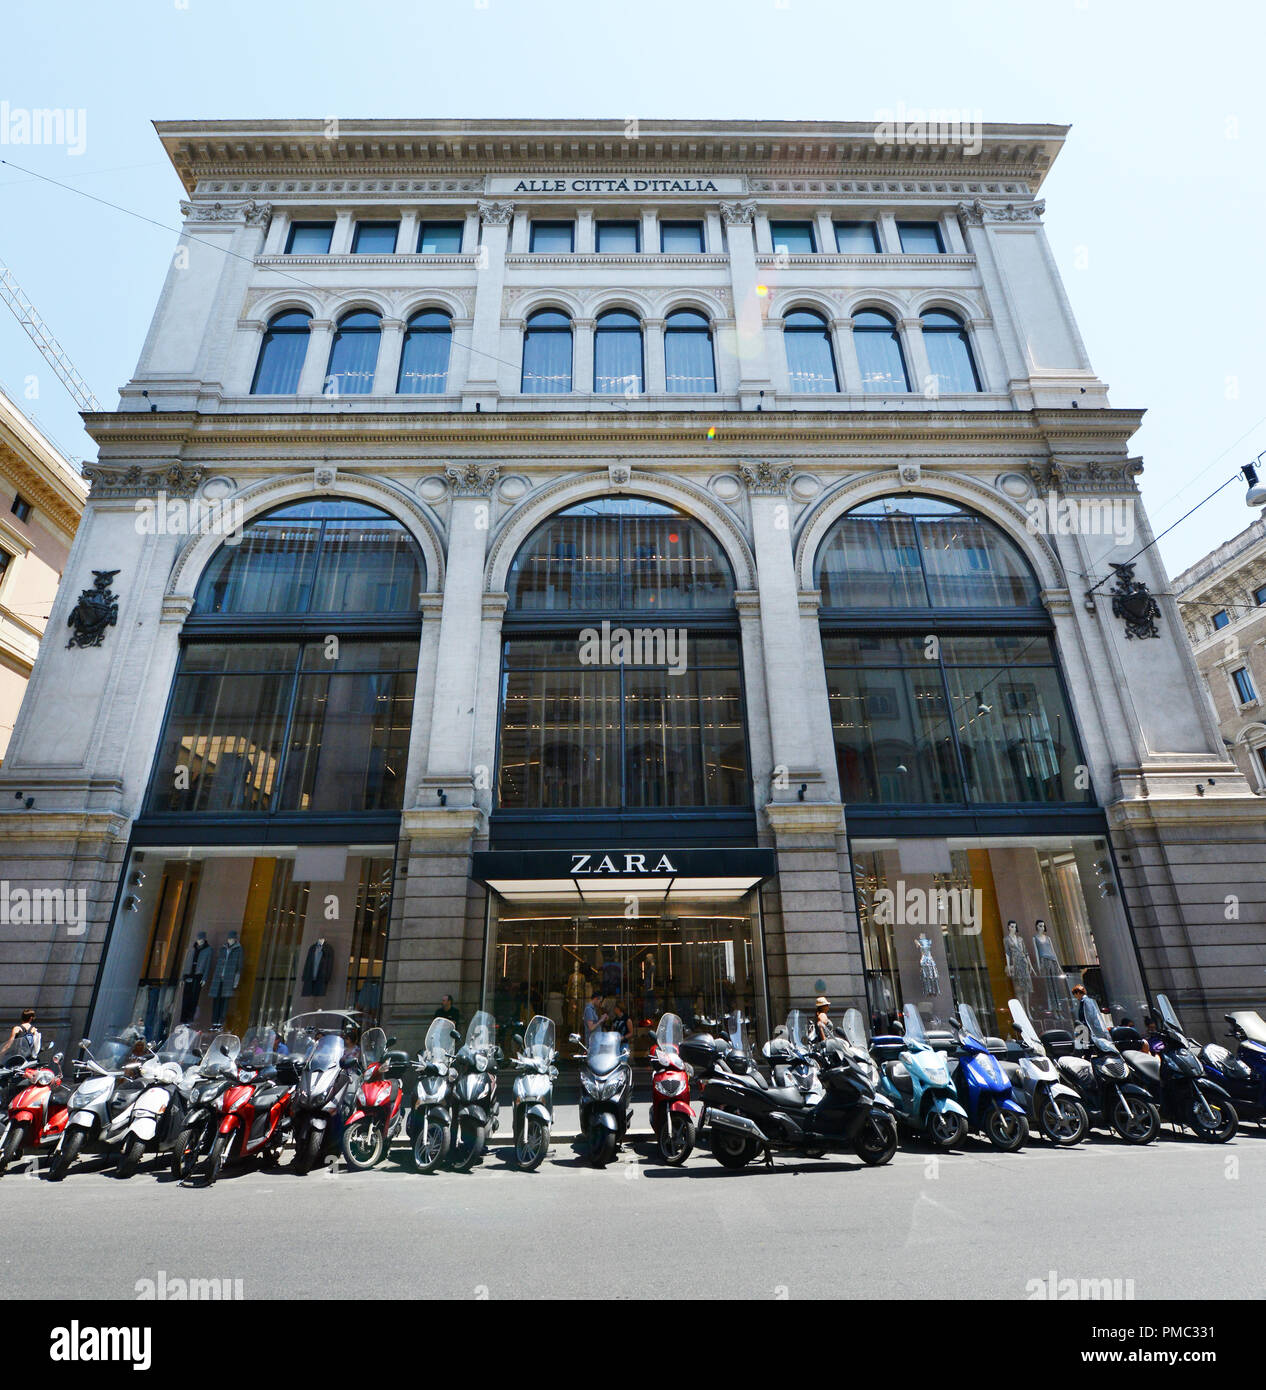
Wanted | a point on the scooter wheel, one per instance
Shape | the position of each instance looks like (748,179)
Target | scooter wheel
(1142,1128)
(945,1129)
(732,1150)
(184,1151)
(878,1143)
(15,1137)
(130,1156)
(1006,1130)
(217,1158)
(67,1151)
(676,1140)
(531,1144)
(308,1150)
(601,1146)
(1226,1122)
(431,1151)
(364,1145)
(1063,1121)
(468,1145)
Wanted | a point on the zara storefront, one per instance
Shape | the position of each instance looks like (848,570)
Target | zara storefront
(652,594)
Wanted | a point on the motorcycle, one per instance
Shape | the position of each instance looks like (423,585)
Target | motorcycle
(744,1116)
(1101,1080)
(430,1123)
(672,1115)
(606,1084)
(320,1088)
(915,1076)
(254,1109)
(376,1110)
(984,1086)
(534,1093)
(38,1106)
(158,1112)
(475,1092)
(1176,1081)
(216,1071)
(102,1101)
(1052,1105)
(1243,1075)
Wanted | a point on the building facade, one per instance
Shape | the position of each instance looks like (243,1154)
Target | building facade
(1223,603)
(42,495)
(533,558)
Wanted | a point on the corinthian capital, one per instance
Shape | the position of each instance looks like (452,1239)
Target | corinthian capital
(766,479)
(469,480)
(740,214)
(496,214)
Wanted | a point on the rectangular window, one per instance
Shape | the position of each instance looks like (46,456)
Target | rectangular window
(440,239)
(309,238)
(1244,690)
(557,238)
(5,561)
(793,238)
(1259,596)
(681,238)
(618,238)
(21,508)
(1261,758)
(375,238)
(1220,619)
(857,238)
(920,238)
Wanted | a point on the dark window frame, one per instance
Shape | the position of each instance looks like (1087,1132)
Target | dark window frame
(376,225)
(450,224)
(21,508)
(876,245)
(612,223)
(801,225)
(554,225)
(678,224)
(921,225)
(1242,681)
(303,225)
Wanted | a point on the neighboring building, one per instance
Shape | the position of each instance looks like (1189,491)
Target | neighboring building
(1222,599)
(663,570)
(42,497)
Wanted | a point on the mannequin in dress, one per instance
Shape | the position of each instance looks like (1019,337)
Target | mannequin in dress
(927,967)
(1048,966)
(1019,970)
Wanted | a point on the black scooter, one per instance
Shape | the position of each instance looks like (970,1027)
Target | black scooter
(743,1115)
(1176,1080)
(1113,1101)
(606,1084)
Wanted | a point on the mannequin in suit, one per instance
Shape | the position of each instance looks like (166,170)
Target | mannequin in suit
(318,965)
(225,978)
(197,968)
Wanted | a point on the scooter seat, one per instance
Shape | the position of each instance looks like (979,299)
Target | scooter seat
(268,1096)
(785,1095)
(900,1077)
(1145,1063)
(1012,1070)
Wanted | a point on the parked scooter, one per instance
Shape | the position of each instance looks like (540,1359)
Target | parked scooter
(157,1115)
(101,1104)
(606,1084)
(37,1109)
(1053,1107)
(376,1103)
(215,1073)
(534,1093)
(984,1087)
(917,1082)
(320,1090)
(254,1111)
(1243,1075)
(430,1123)
(475,1092)
(672,1115)
(1176,1079)
(1102,1080)
(744,1116)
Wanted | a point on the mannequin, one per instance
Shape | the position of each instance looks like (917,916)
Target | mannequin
(317,968)
(927,967)
(1049,968)
(225,978)
(197,968)
(1019,970)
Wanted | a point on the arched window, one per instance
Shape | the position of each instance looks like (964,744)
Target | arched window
(688,361)
(617,354)
(281,354)
(949,352)
(353,355)
(621,676)
(269,714)
(547,354)
(424,354)
(810,359)
(879,353)
(942,676)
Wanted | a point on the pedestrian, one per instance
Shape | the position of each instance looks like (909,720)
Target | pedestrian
(620,1020)
(821,1028)
(593,1018)
(25,1037)
(448,1010)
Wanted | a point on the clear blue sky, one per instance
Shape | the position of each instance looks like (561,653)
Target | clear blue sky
(1156,209)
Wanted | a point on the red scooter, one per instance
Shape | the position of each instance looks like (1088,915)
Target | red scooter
(672,1116)
(377,1111)
(254,1110)
(37,1112)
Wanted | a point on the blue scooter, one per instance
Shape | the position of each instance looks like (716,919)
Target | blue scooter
(984,1087)
(1244,1075)
(917,1081)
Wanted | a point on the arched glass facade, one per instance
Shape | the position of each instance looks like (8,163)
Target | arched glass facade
(281,354)
(688,359)
(949,352)
(810,358)
(354,355)
(428,339)
(879,352)
(617,354)
(547,354)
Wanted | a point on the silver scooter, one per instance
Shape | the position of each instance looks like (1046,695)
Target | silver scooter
(534,1093)
(1052,1106)
(430,1124)
(101,1107)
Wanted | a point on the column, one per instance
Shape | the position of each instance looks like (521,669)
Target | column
(748,319)
(275,243)
(520,233)
(481,381)
(889,237)
(764,234)
(387,373)
(250,335)
(713,235)
(584,232)
(846,362)
(582,355)
(470,233)
(825,228)
(407,236)
(650,231)
(312,377)
(341,241)
(921,380)
(656,382)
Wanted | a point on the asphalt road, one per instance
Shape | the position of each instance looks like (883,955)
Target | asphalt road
(1179,1219)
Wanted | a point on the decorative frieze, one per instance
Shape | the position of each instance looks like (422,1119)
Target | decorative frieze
(1097,478)
(334,187)
(250,212)
(977,213)
(113,483)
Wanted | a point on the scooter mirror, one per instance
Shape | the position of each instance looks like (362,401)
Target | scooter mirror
(575,1037)
(391,1042)
(518,1041)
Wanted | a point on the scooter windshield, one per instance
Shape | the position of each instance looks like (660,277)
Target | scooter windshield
(971,1025)
(538,1040)
(734,1032)
(1024,1027)
(482,1031)
(1167,1013)
(798,1028)
(373,1046)
(1094,1020)
(441,1039)
(605,1051)
(181,1047)
(327,1052)
(855,1029)
(222,1055)
(915,1031)
(668,1033)
(1252,1024)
